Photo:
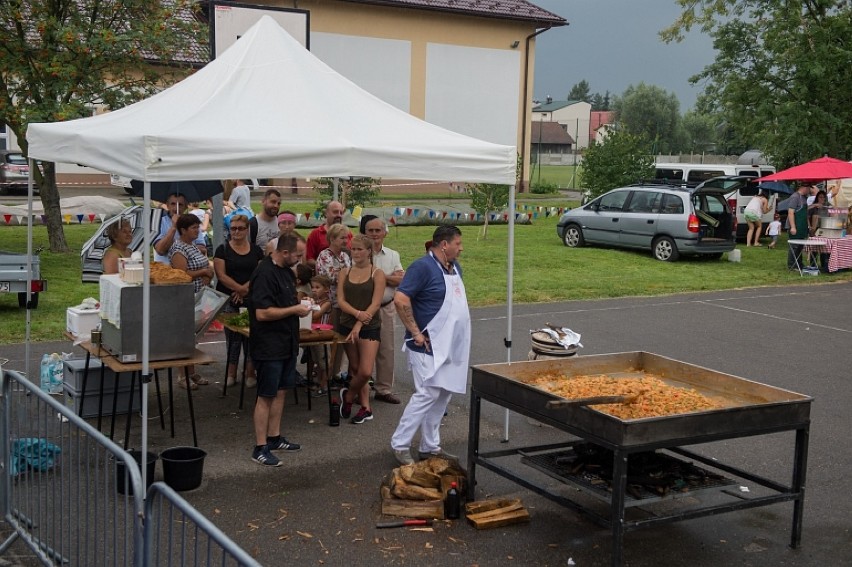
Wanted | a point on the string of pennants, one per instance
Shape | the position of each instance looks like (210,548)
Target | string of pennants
(67,219)
(529,211)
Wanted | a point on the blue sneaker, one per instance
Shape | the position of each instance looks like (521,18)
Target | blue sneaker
(281,444)
(264,457)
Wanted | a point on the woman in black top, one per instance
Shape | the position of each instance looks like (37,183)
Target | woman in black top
(234,262)
(359,294)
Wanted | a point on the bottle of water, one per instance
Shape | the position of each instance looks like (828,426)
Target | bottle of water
(44,375)
(56,373)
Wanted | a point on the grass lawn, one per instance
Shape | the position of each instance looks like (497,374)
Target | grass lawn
(545,271)
(562,175)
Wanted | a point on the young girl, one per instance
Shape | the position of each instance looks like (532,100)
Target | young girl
(359,294)
(320,287)
(773,230)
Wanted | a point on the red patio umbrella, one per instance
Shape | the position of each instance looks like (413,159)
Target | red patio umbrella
(820,169)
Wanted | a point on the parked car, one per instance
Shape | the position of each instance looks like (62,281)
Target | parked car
(14,172)
(667,220)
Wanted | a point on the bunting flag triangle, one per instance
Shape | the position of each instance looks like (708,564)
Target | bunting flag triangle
(21,219)
(307,216)
(7,218)
(102,217)
(80,218)
(91,217)
(392,221)
(407,212)
(43,219)
(445,214)
(358,211)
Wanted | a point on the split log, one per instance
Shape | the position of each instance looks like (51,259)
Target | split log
(420,476)
(495,513)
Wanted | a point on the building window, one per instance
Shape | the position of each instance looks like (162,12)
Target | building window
(4,137)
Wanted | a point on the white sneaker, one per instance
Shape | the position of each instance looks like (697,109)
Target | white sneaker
(231,381)
(251,382)
(403,456)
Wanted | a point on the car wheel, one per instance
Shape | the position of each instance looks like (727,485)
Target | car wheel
(573,236)
(22,300)
(665,249)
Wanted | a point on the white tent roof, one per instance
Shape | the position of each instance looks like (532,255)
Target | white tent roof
(267,107)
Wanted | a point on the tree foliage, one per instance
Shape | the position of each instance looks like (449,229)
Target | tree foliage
(488,198)
(621,159)
(780,72)
(351,191)
(580,91)
(60,59)
(650,112)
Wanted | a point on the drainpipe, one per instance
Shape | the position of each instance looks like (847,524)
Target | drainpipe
(523,148)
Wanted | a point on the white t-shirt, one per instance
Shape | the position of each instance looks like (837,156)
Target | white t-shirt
(774,228)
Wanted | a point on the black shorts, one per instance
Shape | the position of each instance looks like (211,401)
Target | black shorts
(364,333)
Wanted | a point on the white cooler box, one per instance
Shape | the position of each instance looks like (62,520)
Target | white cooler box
(81,322)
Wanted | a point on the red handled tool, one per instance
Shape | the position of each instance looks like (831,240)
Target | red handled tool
(403,524)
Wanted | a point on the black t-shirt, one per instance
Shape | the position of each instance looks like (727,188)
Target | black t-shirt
(273,286)
(239,267)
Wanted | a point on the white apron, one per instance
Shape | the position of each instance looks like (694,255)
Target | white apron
(449,339)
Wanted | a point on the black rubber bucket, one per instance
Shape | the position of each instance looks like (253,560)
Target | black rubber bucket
(183,467)
(151,463)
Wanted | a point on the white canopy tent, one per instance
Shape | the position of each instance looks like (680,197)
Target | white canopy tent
(268,108)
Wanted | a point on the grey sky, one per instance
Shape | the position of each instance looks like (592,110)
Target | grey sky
(613,44)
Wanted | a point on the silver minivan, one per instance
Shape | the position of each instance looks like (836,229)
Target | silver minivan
(667,220)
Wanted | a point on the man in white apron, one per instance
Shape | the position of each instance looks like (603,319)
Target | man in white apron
(432,304)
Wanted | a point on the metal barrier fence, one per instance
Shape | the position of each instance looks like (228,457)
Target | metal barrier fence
(76,498)
(178,534)
(60,483)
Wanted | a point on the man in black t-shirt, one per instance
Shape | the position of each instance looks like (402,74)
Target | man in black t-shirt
(274,312)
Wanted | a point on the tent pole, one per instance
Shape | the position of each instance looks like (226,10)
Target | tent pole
(510,277)
(335,193)
(146,323)
(29,266)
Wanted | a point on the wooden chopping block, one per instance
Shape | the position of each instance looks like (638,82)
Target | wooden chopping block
(488,514)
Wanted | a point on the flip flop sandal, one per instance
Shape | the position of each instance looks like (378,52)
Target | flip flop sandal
(198,380)
(183,384)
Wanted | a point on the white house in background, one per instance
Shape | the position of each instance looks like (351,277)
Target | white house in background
(573,115)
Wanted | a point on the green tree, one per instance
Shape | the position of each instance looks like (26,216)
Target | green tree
(779,73)
(600,101)
(650,112)
(621,159)
(700,131)
(61,59)
(580,91)
(486,198)
(351,191)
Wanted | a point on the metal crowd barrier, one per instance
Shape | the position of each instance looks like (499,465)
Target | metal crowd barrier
(178,534)
(75,498)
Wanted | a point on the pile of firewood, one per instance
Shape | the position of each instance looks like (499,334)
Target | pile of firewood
(418,490)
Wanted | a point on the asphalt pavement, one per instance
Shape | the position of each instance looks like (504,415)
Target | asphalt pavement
(321,507)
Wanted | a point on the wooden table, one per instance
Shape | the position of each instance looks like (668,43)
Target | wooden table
(108,360)
(307,338)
